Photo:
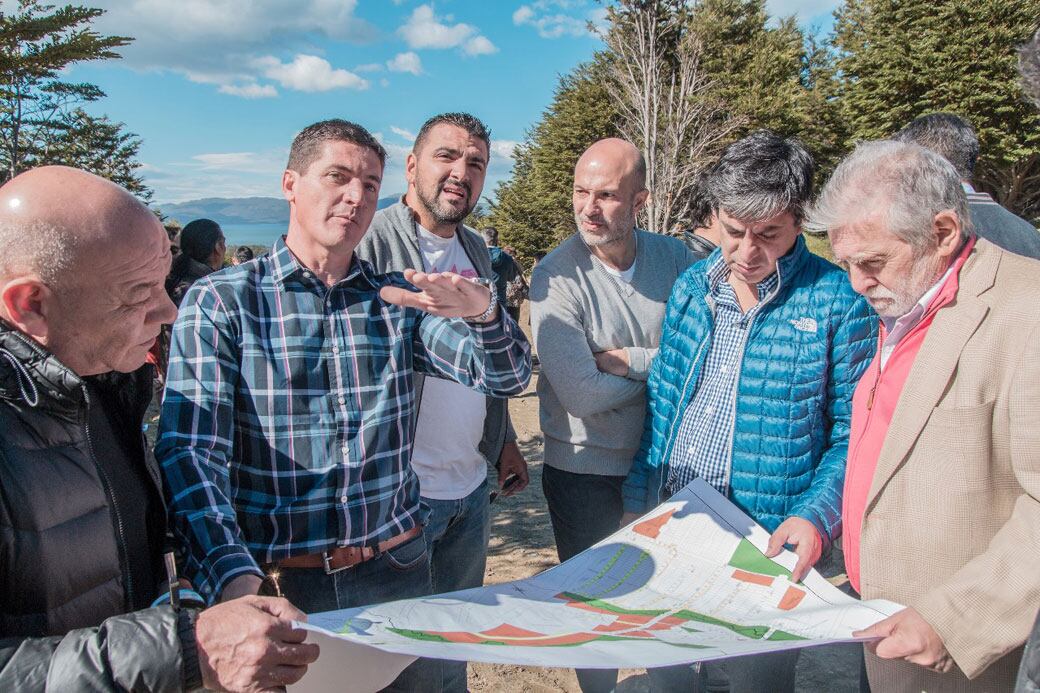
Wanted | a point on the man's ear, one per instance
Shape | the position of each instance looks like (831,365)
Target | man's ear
(25,303)
(289,185)
(639,201)
(947,229)
(410,164)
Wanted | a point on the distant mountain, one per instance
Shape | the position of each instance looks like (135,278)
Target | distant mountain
(240,210)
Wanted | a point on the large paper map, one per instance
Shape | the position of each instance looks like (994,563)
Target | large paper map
(687,582)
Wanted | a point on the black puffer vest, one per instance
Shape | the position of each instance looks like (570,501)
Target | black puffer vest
(62,548)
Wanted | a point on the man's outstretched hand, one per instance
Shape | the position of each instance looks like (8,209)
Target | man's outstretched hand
(446,294)
(249,644)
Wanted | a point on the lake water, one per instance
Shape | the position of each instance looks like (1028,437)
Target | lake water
(252,234)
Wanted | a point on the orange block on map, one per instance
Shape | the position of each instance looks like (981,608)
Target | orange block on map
(792,598)
(652,528)
(753,578)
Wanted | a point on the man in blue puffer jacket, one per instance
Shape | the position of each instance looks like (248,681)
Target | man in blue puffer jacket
(761,348)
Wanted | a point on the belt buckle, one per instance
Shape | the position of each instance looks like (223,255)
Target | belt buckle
(329,570)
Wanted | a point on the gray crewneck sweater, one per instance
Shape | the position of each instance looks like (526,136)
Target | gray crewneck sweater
(592,421)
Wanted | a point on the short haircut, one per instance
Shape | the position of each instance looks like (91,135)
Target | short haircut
(700,201)
(948,135)
(199,238)
(904,182)
(490,234)
(243,253)
(1029,66)
(761,176)
(306,147)
(470,123)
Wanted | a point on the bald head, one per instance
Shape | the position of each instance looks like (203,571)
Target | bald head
(53,217)
(617,156)
(609,191)
(82,267)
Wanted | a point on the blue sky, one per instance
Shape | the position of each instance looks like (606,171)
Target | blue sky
(218,88)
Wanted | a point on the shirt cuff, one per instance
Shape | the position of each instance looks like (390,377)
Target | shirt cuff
(639,360)
(222,565)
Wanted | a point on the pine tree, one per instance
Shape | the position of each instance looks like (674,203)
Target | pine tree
(533,210)
(37,42)
(97,145)
(897,60)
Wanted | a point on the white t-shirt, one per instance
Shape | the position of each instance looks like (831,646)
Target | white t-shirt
(623,275)
(445,454)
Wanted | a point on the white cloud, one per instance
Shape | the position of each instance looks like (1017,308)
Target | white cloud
(479,45)
(250,90)
(402,133)
(369,67)
(424,29)
(219,42)
(405,62)
(503,148)
(548,18)
(230,161)
(309,73)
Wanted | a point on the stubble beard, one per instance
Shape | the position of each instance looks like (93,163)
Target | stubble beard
(615,233)
(444,214)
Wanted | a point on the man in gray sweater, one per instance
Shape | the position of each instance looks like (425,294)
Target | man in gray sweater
(597,303)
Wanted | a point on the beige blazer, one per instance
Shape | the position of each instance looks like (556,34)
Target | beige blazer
(952,524)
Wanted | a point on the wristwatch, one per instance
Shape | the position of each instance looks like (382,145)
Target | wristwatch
(491,306)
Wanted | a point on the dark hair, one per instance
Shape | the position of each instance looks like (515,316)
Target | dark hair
(243,253)
(306,147)
(199,238)
(761,176)
(197,242)
(700,202)
(467,122)
(948,135)
(490,234)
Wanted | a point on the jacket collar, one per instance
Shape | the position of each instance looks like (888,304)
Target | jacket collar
(787,267)
(31,374)
(402,221)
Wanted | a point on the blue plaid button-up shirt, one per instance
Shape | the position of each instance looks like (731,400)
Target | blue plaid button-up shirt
(287,421)
(703,443)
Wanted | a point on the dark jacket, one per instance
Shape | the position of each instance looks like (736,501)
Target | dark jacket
(185,272)
(62,551)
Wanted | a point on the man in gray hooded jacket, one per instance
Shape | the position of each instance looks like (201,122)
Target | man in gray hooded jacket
(457,431)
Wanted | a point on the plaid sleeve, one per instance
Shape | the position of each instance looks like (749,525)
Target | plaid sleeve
(194,447)
(493,358)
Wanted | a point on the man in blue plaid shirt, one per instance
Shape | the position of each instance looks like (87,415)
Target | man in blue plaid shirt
(286,424)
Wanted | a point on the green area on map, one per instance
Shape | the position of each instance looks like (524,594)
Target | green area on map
(748,557)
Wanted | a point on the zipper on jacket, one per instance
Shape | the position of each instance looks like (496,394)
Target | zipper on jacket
(124,560)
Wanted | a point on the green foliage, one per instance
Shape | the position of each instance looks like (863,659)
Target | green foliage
(40,122)
(533,210)
(897,60)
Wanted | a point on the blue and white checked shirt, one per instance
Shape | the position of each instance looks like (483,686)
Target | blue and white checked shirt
(702,446)
(287,422)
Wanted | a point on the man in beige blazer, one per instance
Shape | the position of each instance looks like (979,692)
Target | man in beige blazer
(941,509)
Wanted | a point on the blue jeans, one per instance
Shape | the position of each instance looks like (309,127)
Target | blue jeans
(458,532)
(583,509)
(402,572)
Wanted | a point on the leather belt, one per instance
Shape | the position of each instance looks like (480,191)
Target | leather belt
(344,557)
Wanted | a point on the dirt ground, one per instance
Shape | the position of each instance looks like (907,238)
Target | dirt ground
(522,545)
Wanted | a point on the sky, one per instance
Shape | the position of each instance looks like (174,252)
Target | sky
(217,89)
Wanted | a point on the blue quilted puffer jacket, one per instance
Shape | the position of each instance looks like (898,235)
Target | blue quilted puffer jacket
(805,351)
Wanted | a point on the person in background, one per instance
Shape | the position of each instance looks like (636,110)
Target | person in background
(751,387)
(596,306)
(202,252)
(953,138)
(703,236)
(82,522)
(941,507)
(242,254)
(510,283)
(459,431)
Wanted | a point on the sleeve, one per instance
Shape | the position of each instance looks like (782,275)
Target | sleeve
(140,651)
(996,593)
(493,358)
(852,347)
(565,356)
(639,361)
(194,446)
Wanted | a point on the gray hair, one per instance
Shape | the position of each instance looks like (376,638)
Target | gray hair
(761,176)
(37,248)
(905,182)
(948,135)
